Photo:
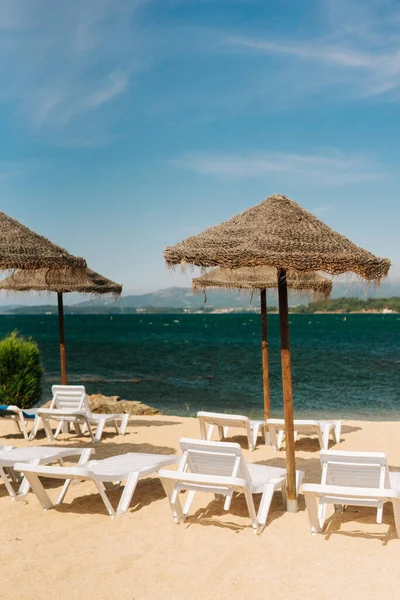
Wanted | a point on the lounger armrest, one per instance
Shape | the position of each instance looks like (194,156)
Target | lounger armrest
(345,492)
(61,412)
(54,472)
(198,478)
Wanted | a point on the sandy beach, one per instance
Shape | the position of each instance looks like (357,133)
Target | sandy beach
(78,552)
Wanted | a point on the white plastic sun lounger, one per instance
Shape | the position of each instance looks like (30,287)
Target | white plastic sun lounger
(276,429)
(21,418)
(224,421)
(104,473)
(70,406)
(220,468)
(34,455)
(354,479)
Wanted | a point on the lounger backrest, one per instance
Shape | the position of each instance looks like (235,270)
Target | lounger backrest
(354,469)
(213,458)
(69,397)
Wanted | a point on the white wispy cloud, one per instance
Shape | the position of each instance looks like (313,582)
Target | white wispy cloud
(329,169)
(61,60)
(60,106)
(359,50)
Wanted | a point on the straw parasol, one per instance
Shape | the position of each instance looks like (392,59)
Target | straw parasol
(21,248)
(259,278)
(61,282)
(263,278)
(279,233)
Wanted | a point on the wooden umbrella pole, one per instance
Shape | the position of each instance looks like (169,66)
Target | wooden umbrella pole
(287,390)
(264,353)
(63,358)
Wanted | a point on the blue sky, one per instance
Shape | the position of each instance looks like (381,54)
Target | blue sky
(127,125)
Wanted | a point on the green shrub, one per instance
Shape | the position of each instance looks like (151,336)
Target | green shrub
(20,371)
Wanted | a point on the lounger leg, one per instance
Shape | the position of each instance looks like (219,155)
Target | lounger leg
(221,432)
(124,424)
(203,429)
(12,474)
(251,508)
(59,428)
(379,513)
(281,434)
(83,459)
(325,437)
(396,511)
(338,431)
(116,426)
(188,503)
(264,507)
(64,491)
(228,500)
(320,437)
(48,429)
(99,430)
(322,506)
(312,509)
(273,437)
(25,487)
(37,423)
(104,497)
(39,490)
(8,485)
(209,433)
(255,433)
(78,429)
(127,494)
(22,426)
(169,488)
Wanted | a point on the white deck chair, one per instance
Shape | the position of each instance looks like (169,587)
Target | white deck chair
(224,421)
(70,406)
(354,479)
(104,473)
(276,429)
(220,468)
(34,455)
(21,418)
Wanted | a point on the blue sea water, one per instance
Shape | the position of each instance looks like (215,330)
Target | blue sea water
(345,366)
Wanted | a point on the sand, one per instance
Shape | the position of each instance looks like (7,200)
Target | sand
(78,552)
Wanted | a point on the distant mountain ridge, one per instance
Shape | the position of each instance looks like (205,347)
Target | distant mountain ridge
(184,298)
(176,297)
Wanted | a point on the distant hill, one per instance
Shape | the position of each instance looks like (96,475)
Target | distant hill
(181,299)
(174,297)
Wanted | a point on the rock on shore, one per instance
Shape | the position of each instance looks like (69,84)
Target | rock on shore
(113,405)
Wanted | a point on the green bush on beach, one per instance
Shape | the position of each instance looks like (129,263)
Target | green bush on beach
(20,371)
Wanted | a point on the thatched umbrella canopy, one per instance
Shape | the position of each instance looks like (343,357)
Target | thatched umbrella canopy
(61,282)
(263,278)
(21,248)
(279,233)
(43,280)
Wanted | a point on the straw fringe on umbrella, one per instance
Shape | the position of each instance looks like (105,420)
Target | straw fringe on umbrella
(278,232)
(61,282)
(21,248)
(263,278)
